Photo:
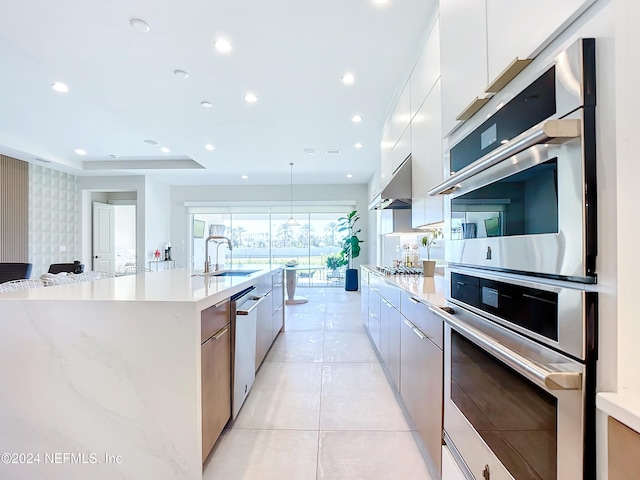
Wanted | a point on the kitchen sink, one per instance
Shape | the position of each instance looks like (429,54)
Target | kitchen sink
(226,273)
(233,273)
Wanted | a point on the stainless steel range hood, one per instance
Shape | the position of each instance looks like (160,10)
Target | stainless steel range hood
(397,193)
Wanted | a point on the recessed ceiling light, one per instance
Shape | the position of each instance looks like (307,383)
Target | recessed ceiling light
(309,151)
(250,98)
(206,104)
(209,147)
(332,152)
(348,78)
(151,142)
(244,177)
(356,119)
(349,175)
(42,160)
(165,150)
(223,46)
(358,145)
(139,25)
(181,74)
(60,87)
(80,151)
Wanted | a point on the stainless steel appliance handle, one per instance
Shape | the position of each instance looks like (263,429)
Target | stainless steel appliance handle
(549,131)
(255,302)
(550,379)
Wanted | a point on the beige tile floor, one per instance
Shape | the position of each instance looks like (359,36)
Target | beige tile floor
(321,406)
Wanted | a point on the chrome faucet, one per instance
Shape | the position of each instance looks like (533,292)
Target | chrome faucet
(206,251)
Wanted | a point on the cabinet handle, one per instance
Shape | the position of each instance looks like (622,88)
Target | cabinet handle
(408,323)
(414,300)
(226,300)
(419,333)
(508,74)
(486,474)
(472,108)
(220,333)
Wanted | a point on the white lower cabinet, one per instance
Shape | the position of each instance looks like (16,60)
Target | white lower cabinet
(374,317)
(450,469)
(421,367)
(393,363)
(408,337)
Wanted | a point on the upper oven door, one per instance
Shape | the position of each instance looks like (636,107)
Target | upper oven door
(521,195)
(525,214)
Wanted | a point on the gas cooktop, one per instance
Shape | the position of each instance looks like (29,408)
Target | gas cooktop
(399,270)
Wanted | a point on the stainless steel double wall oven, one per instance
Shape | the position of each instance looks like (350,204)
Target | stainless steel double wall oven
(521,313)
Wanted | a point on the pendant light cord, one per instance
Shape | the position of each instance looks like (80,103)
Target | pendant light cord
(291,188)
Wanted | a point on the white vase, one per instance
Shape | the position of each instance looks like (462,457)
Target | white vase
(428,267)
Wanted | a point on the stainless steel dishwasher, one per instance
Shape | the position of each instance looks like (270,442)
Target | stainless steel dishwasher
(244,314)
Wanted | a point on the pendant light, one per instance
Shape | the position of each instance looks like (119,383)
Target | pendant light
(292,222)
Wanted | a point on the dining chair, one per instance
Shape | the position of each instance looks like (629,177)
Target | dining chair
(22,284)
(14,271)
(51,279)
(132,270)
(93,275)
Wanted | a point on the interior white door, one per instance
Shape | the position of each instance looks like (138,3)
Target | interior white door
(104,256)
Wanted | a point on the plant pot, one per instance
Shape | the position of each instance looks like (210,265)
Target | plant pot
(351,280)
(428,267)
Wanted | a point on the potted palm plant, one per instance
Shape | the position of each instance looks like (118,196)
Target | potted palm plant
(350,248)
(428,241)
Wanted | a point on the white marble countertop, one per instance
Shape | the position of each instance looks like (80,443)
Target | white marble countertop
(429,290)
(179,285)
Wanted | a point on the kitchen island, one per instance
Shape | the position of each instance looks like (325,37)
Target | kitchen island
(102,379)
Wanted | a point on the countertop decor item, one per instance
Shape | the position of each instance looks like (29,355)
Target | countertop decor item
(292,262)
(350,248)
(428,241)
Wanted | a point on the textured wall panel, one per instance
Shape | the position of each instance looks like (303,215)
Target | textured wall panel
(54,218)
(14,210)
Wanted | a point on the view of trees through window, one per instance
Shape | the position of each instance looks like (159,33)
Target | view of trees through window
(265,239)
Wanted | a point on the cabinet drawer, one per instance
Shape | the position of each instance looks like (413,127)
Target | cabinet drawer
(391,294)
(216,387)
(213,319)
(419,314)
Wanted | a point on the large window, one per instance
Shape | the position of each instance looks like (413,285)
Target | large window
(265,239)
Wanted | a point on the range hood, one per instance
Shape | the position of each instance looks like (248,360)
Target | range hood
(396,195)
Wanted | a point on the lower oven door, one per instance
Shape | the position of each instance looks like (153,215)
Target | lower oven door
(513,408)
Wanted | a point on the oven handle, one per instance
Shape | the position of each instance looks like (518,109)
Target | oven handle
(550,379)
(549,131)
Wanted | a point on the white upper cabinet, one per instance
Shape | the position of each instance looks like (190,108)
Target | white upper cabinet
(427,162)
(427,69)
(401,114)
(401,150)
(522,29)
(399,141)
(463,56)
(386,143)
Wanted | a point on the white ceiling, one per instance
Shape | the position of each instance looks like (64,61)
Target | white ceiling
(290,53)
